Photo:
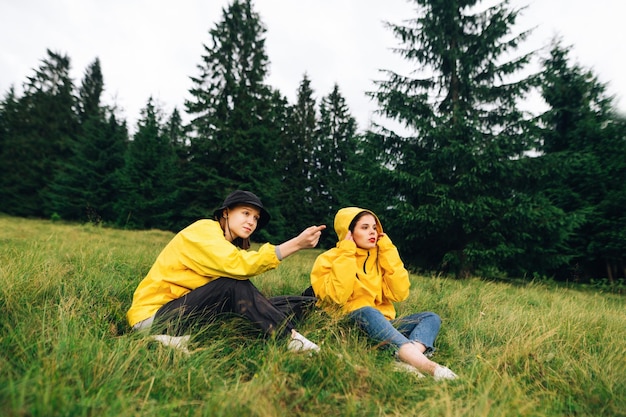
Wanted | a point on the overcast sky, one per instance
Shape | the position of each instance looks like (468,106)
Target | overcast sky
(151,47)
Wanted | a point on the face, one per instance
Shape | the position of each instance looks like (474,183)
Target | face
(242,221)
(365,233)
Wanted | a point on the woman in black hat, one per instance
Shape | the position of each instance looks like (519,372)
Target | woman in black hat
(204,272)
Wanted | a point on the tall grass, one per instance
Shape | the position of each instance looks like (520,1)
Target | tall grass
(66,350)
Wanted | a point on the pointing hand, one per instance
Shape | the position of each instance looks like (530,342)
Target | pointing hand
(310,237)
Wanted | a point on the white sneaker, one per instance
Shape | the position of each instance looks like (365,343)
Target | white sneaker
(177,342)
(441,372)
(405,367)
(299,343)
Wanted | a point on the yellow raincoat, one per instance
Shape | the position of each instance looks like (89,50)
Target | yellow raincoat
(196,256)
(352,278)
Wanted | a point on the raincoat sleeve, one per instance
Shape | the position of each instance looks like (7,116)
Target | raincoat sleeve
(396,282)
(208,253)
(334,273)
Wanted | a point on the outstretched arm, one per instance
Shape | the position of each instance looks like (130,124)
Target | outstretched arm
(305,240)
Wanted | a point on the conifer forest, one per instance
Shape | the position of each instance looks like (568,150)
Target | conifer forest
(473,185)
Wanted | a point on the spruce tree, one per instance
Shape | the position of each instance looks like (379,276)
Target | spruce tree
(39,137)
(584,143)
(111,151)
(231,134)
(456,174)
(176,132)
(9,146)
(335,147)
(82,187)
(147,182)
(296,159)
(90,92)
(282,224)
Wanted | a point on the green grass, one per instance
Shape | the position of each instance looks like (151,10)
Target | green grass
(66,350)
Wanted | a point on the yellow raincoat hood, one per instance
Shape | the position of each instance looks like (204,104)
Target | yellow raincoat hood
(344,217)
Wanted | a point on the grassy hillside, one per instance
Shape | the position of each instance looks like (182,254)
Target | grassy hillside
(66,350)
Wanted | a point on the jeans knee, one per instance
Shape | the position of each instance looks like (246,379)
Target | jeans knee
(364,314)
(434,319)
(364,311)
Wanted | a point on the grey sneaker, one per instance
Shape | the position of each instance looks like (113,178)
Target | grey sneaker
(299,343)
(179,343)
(441,372)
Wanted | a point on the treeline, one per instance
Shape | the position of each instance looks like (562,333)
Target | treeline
(476,186)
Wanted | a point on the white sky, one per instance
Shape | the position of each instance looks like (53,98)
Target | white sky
(152,47)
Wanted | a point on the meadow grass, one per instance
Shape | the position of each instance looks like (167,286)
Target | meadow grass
(66,349)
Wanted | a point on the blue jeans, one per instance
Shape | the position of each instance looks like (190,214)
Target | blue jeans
(420,327)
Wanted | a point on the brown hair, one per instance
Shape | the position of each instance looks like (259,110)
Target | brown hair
(239,242)
(356,219)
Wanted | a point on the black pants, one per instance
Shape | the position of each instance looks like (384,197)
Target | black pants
(227,295)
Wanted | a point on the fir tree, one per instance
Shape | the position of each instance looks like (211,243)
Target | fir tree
(176,132)
(90,92)
(39,137)
(147,182)
(231,134)
(82,185)
(296,159)
(584,144)
(457,175)
(9,145)
(278,120)
(335,148)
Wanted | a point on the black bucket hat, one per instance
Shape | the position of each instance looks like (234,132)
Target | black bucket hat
(244,197)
